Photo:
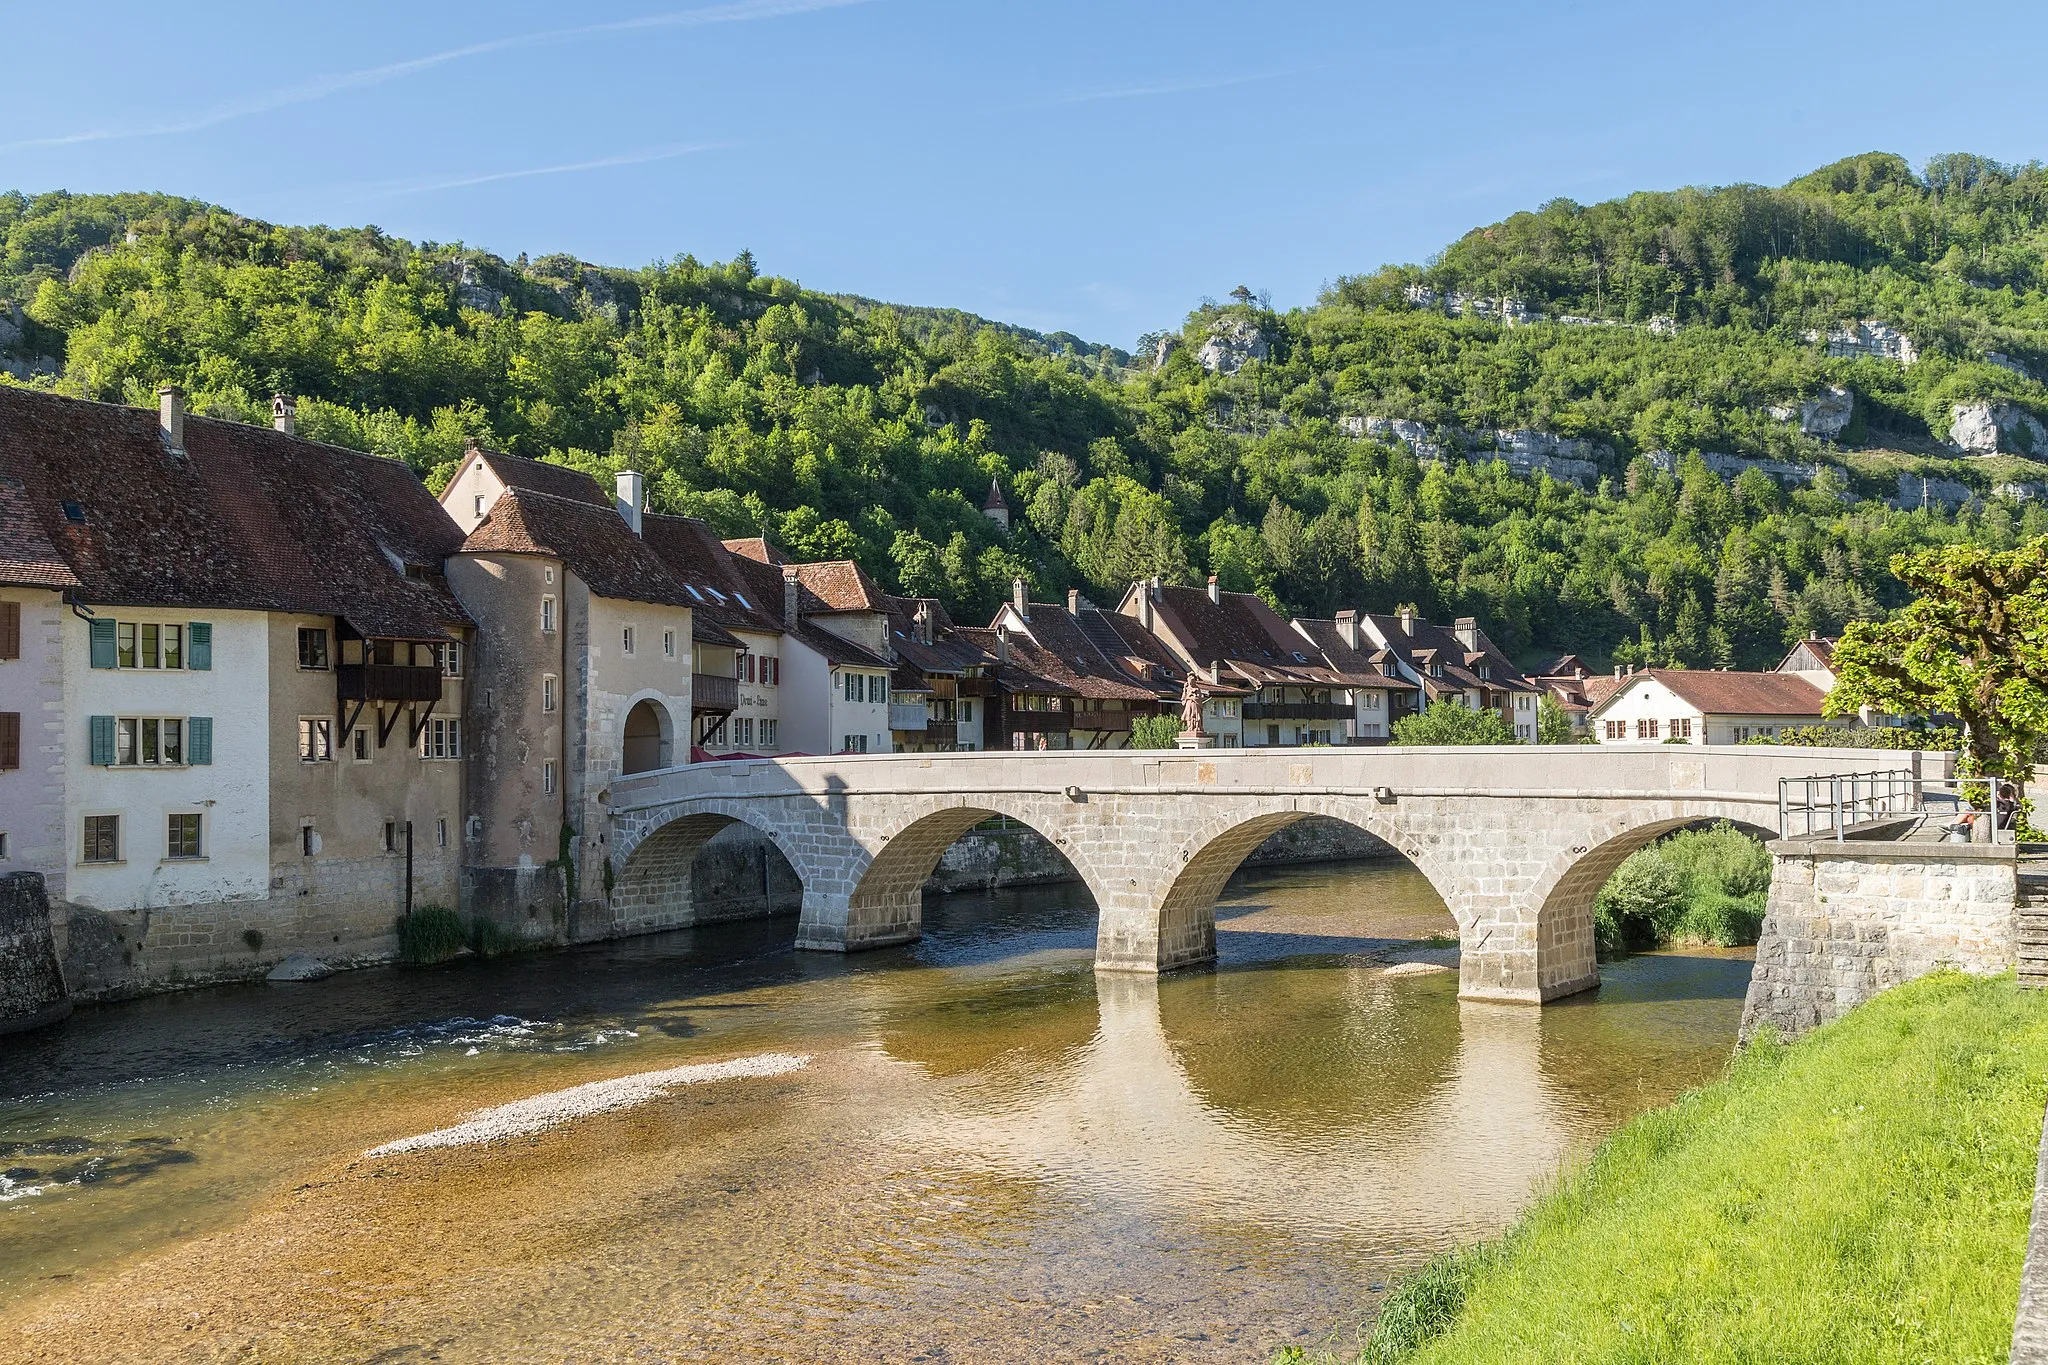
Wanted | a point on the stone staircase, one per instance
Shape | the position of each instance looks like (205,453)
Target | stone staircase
(2033,922)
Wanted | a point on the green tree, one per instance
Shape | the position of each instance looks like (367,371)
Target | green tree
(1154,732)
(1553,722)
(1452,722)
(1973,645)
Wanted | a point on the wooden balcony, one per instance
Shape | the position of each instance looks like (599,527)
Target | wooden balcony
(387,682)
(977,687)
(941,732)
(709,692)
(1038,722)
(1297,710)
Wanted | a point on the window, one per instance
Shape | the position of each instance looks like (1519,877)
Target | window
(359,744)
(309,842)
(771,670)
(1272,734)
(148,739)
(547,778)
(1616,729)
(1370,729)
(1646,729)
(768,728)
(102,839)
(3,845)
(668,644)
(967,711)
(126,635)
(312,647)
(442,738)
(181,837)
(547,615)
(441,833)
(316,739)
(449,657)
(479,504)
(547,692)
(391,836)
(1681,728)
(1372,701)
(626,639)
(10,630)
(855,744)
(849,686)
(743,731)
(10,740)
(547,575)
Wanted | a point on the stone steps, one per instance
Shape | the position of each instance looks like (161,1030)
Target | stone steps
(2032,905)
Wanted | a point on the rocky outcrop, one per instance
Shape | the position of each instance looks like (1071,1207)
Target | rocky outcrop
(1870,338)
(1233,343)
(10,324)
(2022,492)
(1824,415)
(1163,352)
(1929,490)
(32,990)
(1732,467)
(2006,362)
(1987,428)
(471,292)
(1526,450)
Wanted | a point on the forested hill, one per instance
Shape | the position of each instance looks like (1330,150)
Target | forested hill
(1908,306)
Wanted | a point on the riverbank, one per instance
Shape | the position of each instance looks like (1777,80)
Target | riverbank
(1862,1194)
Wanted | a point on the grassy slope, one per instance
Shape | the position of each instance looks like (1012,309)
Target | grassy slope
(1861,1195)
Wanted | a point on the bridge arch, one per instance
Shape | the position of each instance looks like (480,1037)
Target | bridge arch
(652,886)
(887,901)
(1566,961)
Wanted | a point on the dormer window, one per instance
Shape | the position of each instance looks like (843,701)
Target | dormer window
(1485,670)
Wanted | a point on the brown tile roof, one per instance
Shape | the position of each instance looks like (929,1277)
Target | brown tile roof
(538,476)
(592,542)
(1094,666)
(1716,693)
(757,549)
(1244,634)
(1433,643)
(1028,669)
(1821,647)
(699,560)
(1355,666)
(947,653)
(244,518)
(837,585)
(27,557)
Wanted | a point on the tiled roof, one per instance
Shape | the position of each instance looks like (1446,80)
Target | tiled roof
(699,560)
(244,518)
(837,585)
(27,557)
(947,653)
(1558,666)
(1244,634)
(538,476)
(1433,643)
(757,549)
(1028,669)
(1079,660)
(1716,693)
(593,542)
(1355,665)
(1820,647)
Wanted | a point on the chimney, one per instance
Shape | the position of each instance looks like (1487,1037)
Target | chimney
(1002,644)
(1073,601)
(1153,587)
(1144,604)
(632,497)
(1020,600)
(1347,627)
(1617,672)
(1466,628)
(1407,615)
(924,620)
(1214,595)
(789,596)
(1216,672)
(170,416)
(284,413)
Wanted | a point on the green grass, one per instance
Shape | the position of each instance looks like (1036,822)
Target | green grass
(1861,1195)
(430,934)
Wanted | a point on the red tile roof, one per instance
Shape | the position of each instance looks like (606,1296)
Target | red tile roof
(757,549)
(698,559)
(27,556)
(1087,660)
(1430,643)
(837,585)
(243,518)
(1716,693)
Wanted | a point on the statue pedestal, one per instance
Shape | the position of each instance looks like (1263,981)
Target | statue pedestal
(1184,740)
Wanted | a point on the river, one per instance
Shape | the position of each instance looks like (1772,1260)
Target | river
(991,1155)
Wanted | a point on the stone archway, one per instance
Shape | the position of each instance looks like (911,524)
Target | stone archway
(649,740)
(654,890)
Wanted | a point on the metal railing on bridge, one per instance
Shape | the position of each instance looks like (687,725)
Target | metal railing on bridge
(1964,810)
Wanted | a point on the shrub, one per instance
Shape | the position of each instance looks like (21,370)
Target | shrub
(430,934)
(488,939)
(1154,732)
(1697,886)
(1452,722)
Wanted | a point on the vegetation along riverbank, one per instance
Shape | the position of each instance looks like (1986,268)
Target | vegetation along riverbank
(1861,1195)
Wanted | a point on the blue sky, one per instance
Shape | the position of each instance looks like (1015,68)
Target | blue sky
(1093,166)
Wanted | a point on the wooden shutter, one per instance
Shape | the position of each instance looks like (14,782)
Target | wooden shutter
(10,630)
(10,739)
(102,740)
(199,739)
(199,644)
(103,655)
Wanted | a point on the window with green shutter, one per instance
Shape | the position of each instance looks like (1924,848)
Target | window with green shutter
(199,739)
(103,643)
(103,741)
(199,645)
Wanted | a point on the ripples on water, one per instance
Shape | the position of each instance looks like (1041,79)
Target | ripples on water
(995,1155)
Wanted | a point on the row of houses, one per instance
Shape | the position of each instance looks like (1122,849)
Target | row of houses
(258,689)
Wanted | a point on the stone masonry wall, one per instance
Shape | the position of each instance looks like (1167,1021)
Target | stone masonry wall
(31,988)
(1013,855)
(1845,921)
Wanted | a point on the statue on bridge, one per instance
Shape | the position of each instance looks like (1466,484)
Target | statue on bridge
(1192,695)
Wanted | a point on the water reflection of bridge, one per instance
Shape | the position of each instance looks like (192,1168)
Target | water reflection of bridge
(1517,841)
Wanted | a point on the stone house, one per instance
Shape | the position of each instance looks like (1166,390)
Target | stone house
(1703,706)
(1028,708)
(835,659)
(1379,695)
(943,684)
(242,671)
(721,598)
(1459,664)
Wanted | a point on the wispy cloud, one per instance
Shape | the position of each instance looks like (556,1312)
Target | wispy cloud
(335,83)
(1149,89)
(393,189)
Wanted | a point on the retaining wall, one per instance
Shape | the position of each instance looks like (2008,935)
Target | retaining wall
(1845,921)
(31,987)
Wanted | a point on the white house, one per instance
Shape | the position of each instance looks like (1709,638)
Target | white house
(1699,706)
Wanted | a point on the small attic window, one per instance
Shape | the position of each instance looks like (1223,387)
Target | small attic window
(73,512)
(693,592)
(1300,657)
(741,598)
(716,594)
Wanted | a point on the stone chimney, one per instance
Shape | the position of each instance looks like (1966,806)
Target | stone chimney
(1407,615)
(1214,594)
(284,413)
(1347,627)
(1002,644)
(632,497)
(1617,672)
(170,416)
(1466,628)
(789,596)
(1144,604)
(1073,601)
(1215,672)
(1020,599)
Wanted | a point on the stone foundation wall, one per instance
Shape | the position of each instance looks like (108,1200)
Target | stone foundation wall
(530,902)
(1845,921)
(31,988)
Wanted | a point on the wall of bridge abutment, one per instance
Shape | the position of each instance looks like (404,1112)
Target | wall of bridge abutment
(1517,842)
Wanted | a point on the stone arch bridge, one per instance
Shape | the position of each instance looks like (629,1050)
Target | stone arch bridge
(1516,840)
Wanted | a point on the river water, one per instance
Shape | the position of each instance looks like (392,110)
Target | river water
(991,1155)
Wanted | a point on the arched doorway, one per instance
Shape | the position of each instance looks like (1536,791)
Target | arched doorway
(648,744)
